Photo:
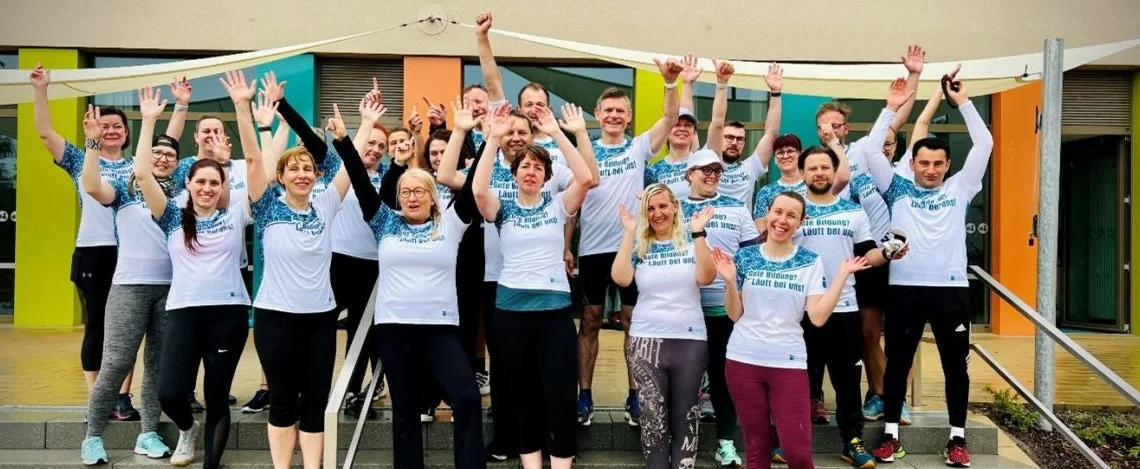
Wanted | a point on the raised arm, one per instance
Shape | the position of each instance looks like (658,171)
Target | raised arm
(921,126)
(726,268)
(41,112)
(264,114)
(402,153)
(819,307)
(343,146)
(371,109)
(152,192)
(879,168)
(775,81)
(724,71)
(357,173)
(93,182)
(974,169)
(492,77)
(622,270)
(241,93)
(180,89)
(574,123)
(670,70)
(448,174)
(486,199)
(843,172)
(276,93)
(690,72)
(913,61)
(706,272)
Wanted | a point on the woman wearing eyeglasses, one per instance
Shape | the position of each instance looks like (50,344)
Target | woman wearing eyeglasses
(730,229)
(137,301)
(416,308)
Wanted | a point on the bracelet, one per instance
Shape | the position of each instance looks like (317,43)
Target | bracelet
(265,128)
(775,94)
(698,234)
(179,107)
(93,144)
(670,86)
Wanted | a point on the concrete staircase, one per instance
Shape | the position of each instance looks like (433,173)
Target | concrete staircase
(48,438)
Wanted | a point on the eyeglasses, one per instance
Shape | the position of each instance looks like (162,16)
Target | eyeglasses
(419,192)
(712,170)
(838,126)
(733,138)
(159,154)
(789,153)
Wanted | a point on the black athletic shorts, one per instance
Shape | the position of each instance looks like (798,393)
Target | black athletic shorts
(871,287)
(594,273)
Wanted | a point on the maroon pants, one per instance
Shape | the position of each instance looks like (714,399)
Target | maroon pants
(763,395)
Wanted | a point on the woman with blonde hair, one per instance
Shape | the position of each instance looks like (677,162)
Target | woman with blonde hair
(667,341)
(417,316)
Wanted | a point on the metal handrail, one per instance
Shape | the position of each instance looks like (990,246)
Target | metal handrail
(332,409)
(1059,337)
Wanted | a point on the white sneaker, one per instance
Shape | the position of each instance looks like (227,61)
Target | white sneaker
(483,382)
(184,452)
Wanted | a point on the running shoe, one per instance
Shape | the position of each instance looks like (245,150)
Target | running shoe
(149,444)
(633,411)
(258,403)
(819,412)
(195,406)
(124,411)
(483,381)
(957,455)
(232,399)
(184,452)
(726,453)
(778,455)
(356,403)
(873,408)
(92,452)
(585,409)
(904,417)
(889,449)
(428,415)
(855,453)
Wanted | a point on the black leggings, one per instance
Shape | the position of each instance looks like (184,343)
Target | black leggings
(297,353)
(838,346)
(92,269)
(503,437)
(908,310)
(719,330)
(540,351)
(408,350)
(215,336)
(353,280)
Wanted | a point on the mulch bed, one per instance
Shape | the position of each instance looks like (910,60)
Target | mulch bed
(1050,450)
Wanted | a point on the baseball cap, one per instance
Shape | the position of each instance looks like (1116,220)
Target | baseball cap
(687,114)
(165,141)
(702,158)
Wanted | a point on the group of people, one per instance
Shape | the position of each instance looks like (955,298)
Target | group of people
(755,292)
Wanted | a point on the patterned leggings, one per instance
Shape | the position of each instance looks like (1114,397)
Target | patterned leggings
(668,375)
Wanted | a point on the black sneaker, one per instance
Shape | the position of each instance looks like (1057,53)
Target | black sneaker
(496,454)
(195,406)
(355,403)
(233,399)
(258,403)
(124,411)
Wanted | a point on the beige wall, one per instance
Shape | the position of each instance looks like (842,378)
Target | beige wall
(855,31)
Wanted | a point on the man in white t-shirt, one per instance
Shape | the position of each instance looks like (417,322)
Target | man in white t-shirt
(930,285)
(621,162)
(741,173)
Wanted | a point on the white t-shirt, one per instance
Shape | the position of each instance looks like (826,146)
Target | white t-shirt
(730,229)
(210,275)
(96,222)
(765,195)
(669,173)
(620,167)
(534,239)
(504,187)
(934,219)
(864,193)
(417,283)
(774,293)
(668,298)
(351,235)
(145,259)
(739,179)
(832,231)
(296,252)
(551,147)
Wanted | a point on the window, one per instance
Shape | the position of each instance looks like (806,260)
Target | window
(7,197)
(575,84)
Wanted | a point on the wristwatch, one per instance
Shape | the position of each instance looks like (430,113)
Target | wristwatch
(93,144)
(698,234)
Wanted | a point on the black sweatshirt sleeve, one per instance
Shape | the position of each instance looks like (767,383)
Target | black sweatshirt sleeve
(315,143)
(464,201)
(388,185)
(861,249)
(358,175)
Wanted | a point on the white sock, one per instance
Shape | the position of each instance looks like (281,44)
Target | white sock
(959,432)
(892,429)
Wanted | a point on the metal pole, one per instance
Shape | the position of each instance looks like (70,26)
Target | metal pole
(1047,227)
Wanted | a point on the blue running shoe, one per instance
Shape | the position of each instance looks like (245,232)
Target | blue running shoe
(904,417)
(632,411)
(585,409)
(149,444)
(92,452)
(873,408)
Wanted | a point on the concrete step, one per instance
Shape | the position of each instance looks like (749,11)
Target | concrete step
(64,429)
(259,459)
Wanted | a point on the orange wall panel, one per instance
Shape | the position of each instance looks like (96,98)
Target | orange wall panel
(438,78)
(1014,202)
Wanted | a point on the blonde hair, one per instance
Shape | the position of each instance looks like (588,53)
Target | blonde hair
(293,154)
(645,234)
(425,178)
(833,106)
